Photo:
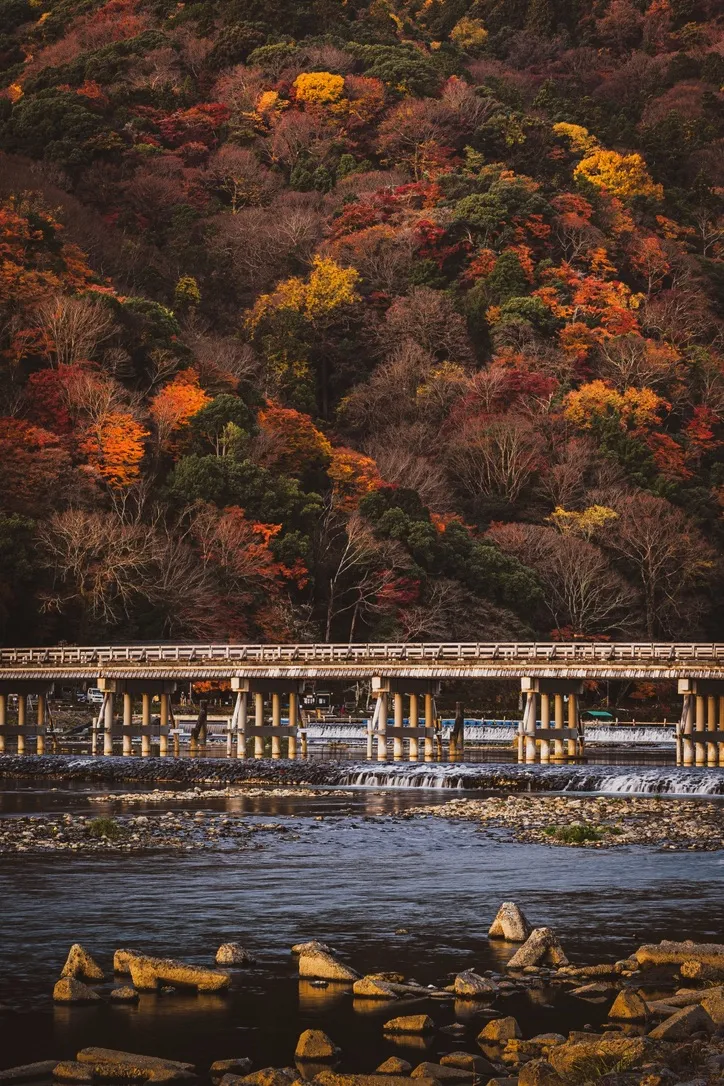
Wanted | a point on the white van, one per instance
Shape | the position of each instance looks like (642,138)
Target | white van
(94,696)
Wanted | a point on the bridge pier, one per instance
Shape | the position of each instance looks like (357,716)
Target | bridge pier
(24,730)
(275,689)
(559,740)
(129,689)
(700,738)
(385,686)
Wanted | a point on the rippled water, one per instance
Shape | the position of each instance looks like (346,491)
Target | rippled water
(350,880)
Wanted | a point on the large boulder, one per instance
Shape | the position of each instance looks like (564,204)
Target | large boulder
(148,973)
(122,960)
(629,1006)
(510,923)
(234,954)
(124,994)
(70,990)
(321,965)
(266,1076)
(606,1052)
(371,988)
(541,945)
(81,964)
(312,947)
(394,1066)
(713,1004)
(314,1044)
(469,985)
(693,969)
(469,1061)
(410,1023)
(671,953)
(680,1025)
(440,1073)
(118,1057)
(499,1031)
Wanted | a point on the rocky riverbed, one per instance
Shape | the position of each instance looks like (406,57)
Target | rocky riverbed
(592,822)
(178,831)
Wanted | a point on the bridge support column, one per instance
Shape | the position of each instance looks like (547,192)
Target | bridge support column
(702,721)
(293,723)
(531,724)
(711,746)
(559,751)
(699,748)
(276,743)
(145,725)
(40,739)
(382,729)
(259,723)
(22,721)
(108,724)
(127,737)
(399,721)
(429,728)
(3,720)
(545,725)
(163,735)
(720,745)
(574,724)
(414,718)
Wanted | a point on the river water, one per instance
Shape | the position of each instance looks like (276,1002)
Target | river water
(350,872)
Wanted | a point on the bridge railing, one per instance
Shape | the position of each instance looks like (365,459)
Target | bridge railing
(427,652)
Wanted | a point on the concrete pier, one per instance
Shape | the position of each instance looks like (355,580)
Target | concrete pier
(559,740)
(701,729)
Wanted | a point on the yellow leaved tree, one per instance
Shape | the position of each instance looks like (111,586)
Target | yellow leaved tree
(585,523)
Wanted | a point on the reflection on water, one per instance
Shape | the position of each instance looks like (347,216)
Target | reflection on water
(348,881)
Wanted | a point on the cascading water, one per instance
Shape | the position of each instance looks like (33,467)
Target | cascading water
(624,780)
(505,732)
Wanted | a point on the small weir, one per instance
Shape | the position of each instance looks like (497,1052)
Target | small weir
(626,780)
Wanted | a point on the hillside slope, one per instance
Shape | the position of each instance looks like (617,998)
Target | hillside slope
(361,319)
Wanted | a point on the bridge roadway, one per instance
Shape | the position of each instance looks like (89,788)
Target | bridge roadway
(550,674)
(428,660)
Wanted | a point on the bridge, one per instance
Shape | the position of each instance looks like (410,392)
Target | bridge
(550,674)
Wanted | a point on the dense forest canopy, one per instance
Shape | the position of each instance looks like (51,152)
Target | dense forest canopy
(361,319)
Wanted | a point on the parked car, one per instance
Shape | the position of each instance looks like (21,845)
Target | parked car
(94,696)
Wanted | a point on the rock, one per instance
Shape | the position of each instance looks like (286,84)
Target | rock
(629,1006)
(314,1044)
(267,1076)
(545,1040)
(122,958)
(590,970)
(124,994)
(72,1071)
(539,1073)
(687,997)
(394,1066)
(240,1066)
(324,966)
(410,1023)
(510,923)
(595,990)
(70,990)
(696,970)
(147,973)
(681,1025)
(541,945)
(312,947)
(455,1029)
(81,964)
(607,1052)
(27,1072)
(440,1073)
(371,988)
(331,1078)
(119,1058)
(234,954)
(499,1031)
(468,985)
(713,1004)
(667,952)
(468,1061)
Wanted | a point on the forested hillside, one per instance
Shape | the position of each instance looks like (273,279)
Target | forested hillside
(361,319)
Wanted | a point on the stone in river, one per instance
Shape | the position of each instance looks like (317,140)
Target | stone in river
(81,964)
(331,1078)
(670,953)
(713,1004)
(124,994)
(240,1066)
(538,1073)
(371,988)
(122,959)
(680,1026)
(70,990)
(72,1071)
(312,947)
(234,954)
(696,970)
(148,973)
(410,1023)
(468,1061)
(28,1071)
(469,985)
(314,1044)
(541,945)
(499,1031)
(118,1057)
(324,966)
(440,1073)
(510,923)
(394,1066)
(267,1076)
(629,1006)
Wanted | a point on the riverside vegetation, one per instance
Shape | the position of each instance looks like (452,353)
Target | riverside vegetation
(665,1024)
(368,320)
